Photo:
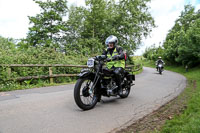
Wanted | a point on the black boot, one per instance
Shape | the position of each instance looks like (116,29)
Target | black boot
(99,98)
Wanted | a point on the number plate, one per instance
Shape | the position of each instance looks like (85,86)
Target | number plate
(90,62)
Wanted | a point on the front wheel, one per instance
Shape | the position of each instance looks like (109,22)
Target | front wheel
(160,70)
(84,96)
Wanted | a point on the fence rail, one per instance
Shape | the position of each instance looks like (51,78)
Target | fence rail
(42,65)
(51,75)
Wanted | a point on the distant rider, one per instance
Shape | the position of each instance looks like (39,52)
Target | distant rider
(159,61)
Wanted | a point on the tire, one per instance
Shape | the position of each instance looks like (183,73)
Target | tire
(160,71)
(82,91)
(126,90)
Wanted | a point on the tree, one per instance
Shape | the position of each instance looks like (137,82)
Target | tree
(7,43)
(48,25)
(129,20)
(87,28)
(133,22)
(189,51)
(181,45)
(153,52)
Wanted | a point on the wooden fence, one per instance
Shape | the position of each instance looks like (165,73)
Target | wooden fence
(51,75)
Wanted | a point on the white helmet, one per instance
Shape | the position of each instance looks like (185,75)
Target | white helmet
(111,39)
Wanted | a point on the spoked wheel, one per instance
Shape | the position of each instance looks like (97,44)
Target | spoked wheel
(126,89)
(85,97)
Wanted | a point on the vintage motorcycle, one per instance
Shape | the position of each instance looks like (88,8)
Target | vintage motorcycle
(97,81)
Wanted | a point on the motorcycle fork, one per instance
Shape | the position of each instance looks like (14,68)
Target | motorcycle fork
(94,83)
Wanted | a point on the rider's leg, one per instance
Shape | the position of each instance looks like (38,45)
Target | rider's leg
(118,71)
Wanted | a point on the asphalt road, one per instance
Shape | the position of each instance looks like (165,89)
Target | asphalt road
(53,110)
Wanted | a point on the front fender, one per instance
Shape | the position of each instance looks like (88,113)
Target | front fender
(86,74)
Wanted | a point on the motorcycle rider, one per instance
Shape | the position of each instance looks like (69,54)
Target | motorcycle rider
(159,61)
(116,59)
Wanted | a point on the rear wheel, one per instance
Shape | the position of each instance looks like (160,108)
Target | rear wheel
(84,96)
(126,89)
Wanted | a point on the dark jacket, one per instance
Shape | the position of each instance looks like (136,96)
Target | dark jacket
(159,61)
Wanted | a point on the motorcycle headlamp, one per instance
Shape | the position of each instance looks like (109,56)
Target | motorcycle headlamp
(90,62)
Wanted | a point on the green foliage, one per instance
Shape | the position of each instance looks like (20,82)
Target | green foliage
(86,28)
(74,26)
(128,20)
(36,56)
(78,32)
(189,52)
(7,43)
(48,25)
(152,53)
(33,55)
(95,19)
(182,42)
(133,22)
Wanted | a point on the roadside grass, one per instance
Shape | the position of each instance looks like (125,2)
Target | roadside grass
(137,61)
(11,86)
(189,120)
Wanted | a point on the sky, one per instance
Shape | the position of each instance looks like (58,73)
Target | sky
(14,20)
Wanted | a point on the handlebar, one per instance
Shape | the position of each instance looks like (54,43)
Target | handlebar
(104,58)
(100,57)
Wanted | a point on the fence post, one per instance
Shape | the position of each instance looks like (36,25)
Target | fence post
(51,73)
(9,71)
(186,68)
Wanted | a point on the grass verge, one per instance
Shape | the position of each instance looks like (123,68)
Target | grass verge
(189,120)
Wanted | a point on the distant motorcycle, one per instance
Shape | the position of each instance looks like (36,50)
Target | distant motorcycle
(97,81)
(160,68)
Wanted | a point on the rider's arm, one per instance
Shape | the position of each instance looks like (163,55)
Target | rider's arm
(121,53)
(105,52)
